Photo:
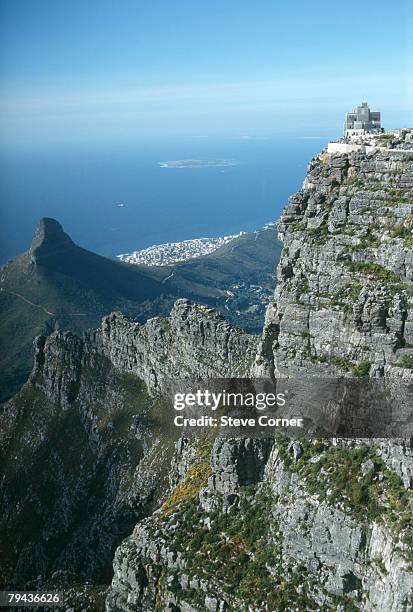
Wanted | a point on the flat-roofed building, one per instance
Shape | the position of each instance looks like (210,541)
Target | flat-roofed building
(362,121)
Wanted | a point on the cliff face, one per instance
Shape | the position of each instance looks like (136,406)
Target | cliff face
(193,341)
(230,524)
(344,290)
(272,524)
(75,447)
(82,455)
(265,525)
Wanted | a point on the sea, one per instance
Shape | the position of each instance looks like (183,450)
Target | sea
(83,187)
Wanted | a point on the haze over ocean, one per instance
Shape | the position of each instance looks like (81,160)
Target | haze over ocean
(80,188)
(94,94)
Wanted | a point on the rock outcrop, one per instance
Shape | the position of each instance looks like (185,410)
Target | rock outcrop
(194,341)
(230,524)
(50,241)
(250,527)
(82,452)
(271,524)
(344,282)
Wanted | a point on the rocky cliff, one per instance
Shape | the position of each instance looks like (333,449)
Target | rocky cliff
(57,284)
(269,525)
(229,524)
(344,293)
(82,453)
(75,447)
(194,341)
(275,524)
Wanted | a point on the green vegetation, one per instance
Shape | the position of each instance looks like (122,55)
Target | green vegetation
(392,196)
(405,362)
(333,360)
(337,478)
(373,270)
(385,137)
(320,234)
(354,181)
(369,241)
(345,297)
(302,286)
(362,369)
(403,230)
(196,478)
(400,230)
(297,226)
(379,273)
(240,554)
(358,370)
(388,193)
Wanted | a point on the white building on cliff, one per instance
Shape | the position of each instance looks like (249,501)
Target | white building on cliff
(362,121)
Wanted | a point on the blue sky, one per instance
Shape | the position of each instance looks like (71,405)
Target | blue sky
(101,71)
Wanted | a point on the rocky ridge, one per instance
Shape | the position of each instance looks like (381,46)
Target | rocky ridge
(194,341)
(81,444)
(344,293)
(230,524)
(56,284)
(250,527)
(322,525)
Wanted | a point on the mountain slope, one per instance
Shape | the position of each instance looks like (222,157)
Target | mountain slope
(237,523)
(319,524)
(82,448)
(75,447)
(239,277)
(58,285)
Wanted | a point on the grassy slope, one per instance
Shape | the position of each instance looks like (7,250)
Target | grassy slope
(250,258)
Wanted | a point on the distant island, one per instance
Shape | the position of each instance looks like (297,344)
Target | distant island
(198,163)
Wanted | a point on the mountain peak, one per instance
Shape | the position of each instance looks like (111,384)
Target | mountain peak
(49,240)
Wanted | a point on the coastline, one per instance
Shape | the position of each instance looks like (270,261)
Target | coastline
(184,250)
